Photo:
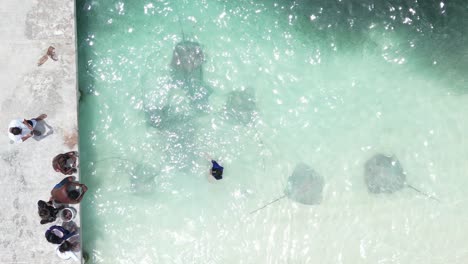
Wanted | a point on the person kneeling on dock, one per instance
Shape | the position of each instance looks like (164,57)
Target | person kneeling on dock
(68,191)
(65,163)
(47,212)
(70,248)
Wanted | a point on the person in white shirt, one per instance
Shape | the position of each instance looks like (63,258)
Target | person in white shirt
(20,130)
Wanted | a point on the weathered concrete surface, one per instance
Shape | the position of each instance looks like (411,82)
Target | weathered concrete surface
(26,175)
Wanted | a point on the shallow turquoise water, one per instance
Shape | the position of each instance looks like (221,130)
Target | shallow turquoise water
(334,83)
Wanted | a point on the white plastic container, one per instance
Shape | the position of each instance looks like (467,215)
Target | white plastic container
(67,214)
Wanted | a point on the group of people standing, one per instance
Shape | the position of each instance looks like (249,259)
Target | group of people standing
(64,194)
(67,192)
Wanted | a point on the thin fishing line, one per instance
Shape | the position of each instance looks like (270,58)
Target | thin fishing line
(262,146)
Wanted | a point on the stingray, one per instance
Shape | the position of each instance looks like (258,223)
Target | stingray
(142,179)
(304,186)
(384,174)
(166,117)
(142,175)
(165,110)
(180,146)
(241,106)
(198,92)
(178,138)
(187,60)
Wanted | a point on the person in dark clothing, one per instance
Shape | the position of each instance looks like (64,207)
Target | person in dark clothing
(58,234)
(47,212)
(216,170)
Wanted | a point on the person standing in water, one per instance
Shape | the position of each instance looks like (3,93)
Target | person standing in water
(216,170)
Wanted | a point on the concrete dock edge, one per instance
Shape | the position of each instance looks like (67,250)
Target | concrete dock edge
(29,27)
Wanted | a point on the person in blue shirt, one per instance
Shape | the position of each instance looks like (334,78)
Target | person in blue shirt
(216,170)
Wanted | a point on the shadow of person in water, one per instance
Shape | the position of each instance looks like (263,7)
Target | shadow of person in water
(42,130)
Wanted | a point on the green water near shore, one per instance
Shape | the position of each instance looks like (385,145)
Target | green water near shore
(334,82)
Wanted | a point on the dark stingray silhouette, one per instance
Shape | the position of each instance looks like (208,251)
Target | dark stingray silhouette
(241,106)
(167,109)
(187,60)
(166,118)
(198,93)
(384,174)
(304,186)
(142,179)
(187,72)
(142,175)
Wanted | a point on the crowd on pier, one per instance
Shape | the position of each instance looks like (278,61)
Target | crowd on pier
(56,211)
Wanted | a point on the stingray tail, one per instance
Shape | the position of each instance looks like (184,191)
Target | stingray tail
(423,193)
(262,146)
(181,28)
(112,158)
(274,201)
(183,39)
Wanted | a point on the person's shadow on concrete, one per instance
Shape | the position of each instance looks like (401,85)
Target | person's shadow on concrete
(42,130)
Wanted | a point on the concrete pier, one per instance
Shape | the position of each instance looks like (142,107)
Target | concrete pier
(28,28)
